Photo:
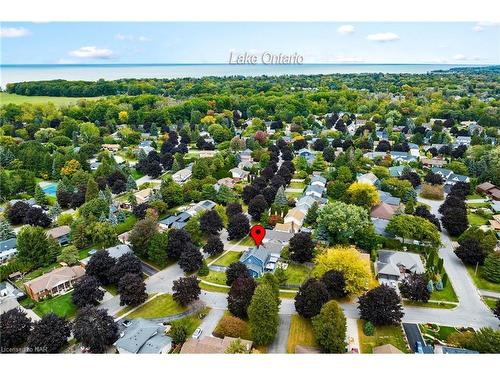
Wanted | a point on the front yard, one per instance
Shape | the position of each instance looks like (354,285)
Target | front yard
(228,258)
(301,333)
(383,335)
(159,307)
(215,277)
(476,219)
(480,282)
(433,333)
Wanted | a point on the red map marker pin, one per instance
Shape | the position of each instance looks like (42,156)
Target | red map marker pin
(257,232)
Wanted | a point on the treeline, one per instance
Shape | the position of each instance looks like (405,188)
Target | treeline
(484,82)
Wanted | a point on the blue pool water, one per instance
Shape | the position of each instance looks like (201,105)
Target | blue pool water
(50,189)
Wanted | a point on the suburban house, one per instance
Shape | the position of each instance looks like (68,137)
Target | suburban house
(246,155)
(182,175)
(60,234)
(143,337)
(55,282)
(8,290)
(434,162)
(238,174)
(369,178)
(386,349)
(388,198)
(296,217)
(246,165)
(114,252)
(142,196)
(226,181)
(383,211)
(495,222)
(207,153)
(489,189)
(7,249)
(393,266)
(211,345)
(201,206)
(318,181)
(111,147)
(261,258)
(315,190)
(463,140)
(277,237)
(305,153)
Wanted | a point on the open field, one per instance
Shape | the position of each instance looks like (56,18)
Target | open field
(6,98)
(301,333)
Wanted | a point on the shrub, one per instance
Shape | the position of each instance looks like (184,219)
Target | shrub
(233,327)
(432,192)
(368,329)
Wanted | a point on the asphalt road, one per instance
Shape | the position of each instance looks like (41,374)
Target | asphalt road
(413,334)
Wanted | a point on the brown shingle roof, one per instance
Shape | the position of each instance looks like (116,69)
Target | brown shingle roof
(54,278)
(210,345)
(59,231)
(386,349)
(383,211)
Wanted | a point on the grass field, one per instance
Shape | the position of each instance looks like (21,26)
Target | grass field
(60,305)
(211,288)
(228,258)
(297,185)
(6,98)
(383,335)
(480,282)
(159,307)
(439,332)
(301,333)
(490,302)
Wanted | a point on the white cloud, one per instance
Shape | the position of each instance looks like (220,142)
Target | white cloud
(477,28)
(13,32)
(383,37)
(345,29)
(92,52)
(132,38)
(349,59)
(459,57)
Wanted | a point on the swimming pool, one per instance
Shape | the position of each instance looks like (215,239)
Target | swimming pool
(50,189)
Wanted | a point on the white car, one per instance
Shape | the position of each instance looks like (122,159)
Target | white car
(197,333)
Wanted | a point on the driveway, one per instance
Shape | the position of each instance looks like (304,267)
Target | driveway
(147,269)
(413,335)
(280,342)
(209,323)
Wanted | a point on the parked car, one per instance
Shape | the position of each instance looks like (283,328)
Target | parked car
(197,333)
(126,323)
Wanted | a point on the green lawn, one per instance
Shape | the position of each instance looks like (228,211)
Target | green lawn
(480,282)
(136,174)
(228,258)
(7,98)
(475,219)
(435,331)
(297,273)
(474,196)
(431,305)
(292,194)
(247,241)
(447,294)
(126,225)
(490,302)
(478,205)
(301,333)
(297,185)
(211,288)
(159,307)
(60,305)
(383,335)
(215,277)
(192,322)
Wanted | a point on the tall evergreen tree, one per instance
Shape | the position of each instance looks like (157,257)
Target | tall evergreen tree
(6,230)
(280,198)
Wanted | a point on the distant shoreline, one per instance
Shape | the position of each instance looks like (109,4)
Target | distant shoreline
(92,72)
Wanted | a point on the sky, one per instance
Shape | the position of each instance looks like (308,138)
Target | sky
(203,42)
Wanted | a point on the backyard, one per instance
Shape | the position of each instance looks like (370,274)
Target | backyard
(215,277)
(383,335)
(60,305)
(476,219)
(301,333)
(297,273)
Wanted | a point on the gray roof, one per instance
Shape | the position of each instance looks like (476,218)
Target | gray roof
(318,179)
(143,336)
(380,225)
(316,189)
(119,250)
(396,171)
(260,252)
(8,244)
(389,199)
(389,261)
(274,235)
(178,224)
(183,216)
(168,220)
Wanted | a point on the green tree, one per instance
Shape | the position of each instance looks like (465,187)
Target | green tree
(92,191)
(103,234)
(362,194)
(40,197)
(414,228)
(280,198)
(35,248)
(157,250)
(343,222)
(69,255)
(491,268)
(141,235)
(330,328)
(6,230)
(263,315)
